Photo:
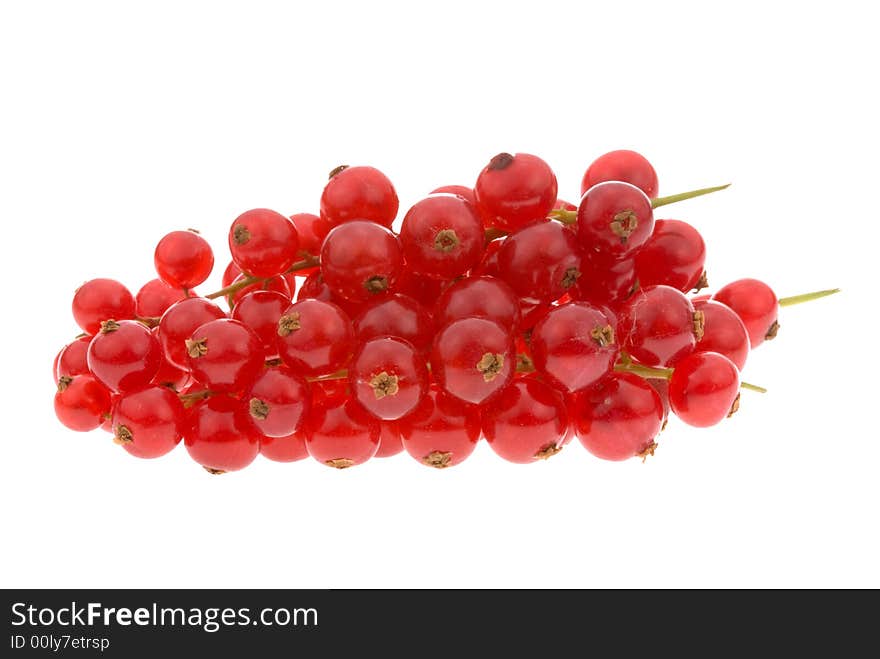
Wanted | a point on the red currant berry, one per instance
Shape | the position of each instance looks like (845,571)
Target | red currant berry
(388,377)
(263,243)
(220,435)
(225,355)
(673,256)
(442,236)
(339,432)
(278,402)
(72,360)
(230,274)
(278,285)
(605,282)
(124,355)
(169,375)
(360,260)
(423,290)
(442,431)
(154,298)
(658,326)
(284,449)
(390,443)
(627,166)
(359,193)
(614,219)
(311,230)
(462,191)
(149,422)
(661,386)
(704,389)
(315,288)
(260,311)
(618,418)
(81,402)
(540,262)
(99,300)
(315,337)
(527,422)
(723,332)
(183,259)
(398,316)
(479,297)
(178,323)
(515,190)
(488,266)
(473,358)
(756,304)
(574,346)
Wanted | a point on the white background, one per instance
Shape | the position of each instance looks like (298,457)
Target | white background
(120,123)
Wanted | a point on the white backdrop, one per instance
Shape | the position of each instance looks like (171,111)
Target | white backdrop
(122,123)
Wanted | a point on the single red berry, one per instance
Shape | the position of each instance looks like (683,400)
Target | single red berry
(178,323)
(398,316)
(756,304)
(148,422)
(442,431)
(442,236)
(614,219)
(390,443)
(479,297)
(284,449)
(154,298)
(315,337)
(359,193)
(263,243)
(423,290)
(723,332)
(360,260)
(339,432)
(658,326)
(574,346)
(515,190)
(673,256)
(627,166)
(183,259)
(278,402)
(704,389)
(81,402)
(225,355)
(230,274)
(473,358)
(603,281)
(169,375)
(618,418)
(388,377)
(528,422)
(220,435)
(101,299)
(277,284)
(540,262)
(462,191)
(311,230)
(260,311)
(315,288)
(72,360)
(124,355)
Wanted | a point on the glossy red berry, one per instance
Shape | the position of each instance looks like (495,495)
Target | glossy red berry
(528,422)
(398,316)
(442,236)
(81,402)
(515,190)
(658,326)
(618,418)
(423,290)
(220,435)
(225,355)
(315,337)
(260,311)
(230,274)
(183,259)
(473,358)
(388,377)
(360,260)
(263,243)
(605,282)
(101,299)
(124,355)
(479,297)
(540,262)
(284,449)
(148,422)
(178,323)
(311,230)
(314,287)
(614,219)
(278,402)
(756,304)
(339,432)
(442,431)
(704,389)
(390,443)
(169,375)
(723,332)
(359,193)
(72,360)
(488,265)
(673,256)
(154,298)
(277,284)
(574,346)
(623,165)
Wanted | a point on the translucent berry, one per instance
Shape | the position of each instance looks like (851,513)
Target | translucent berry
(154,298)
(359,193)
(180,321)
(183,259)
(398,316)
(149,422)
(260,311)
(388,377)
(224,355)
(220,435)
(723,332)
(72,360)
(278,402)
(479,297)
(515,190)
(124,355)
(704,389)
(284,449)
(101,299)
(658,326)
(627,166)
(360,260)
(442,431)
(315,337)
(390,443)
(339,431)
(756,305)
(673,256)
(614,219)
(81,402)
(603,281)
(263,243)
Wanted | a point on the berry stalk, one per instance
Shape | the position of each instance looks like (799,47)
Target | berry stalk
(247,281)
(666,373)
(792,300)
(682,196)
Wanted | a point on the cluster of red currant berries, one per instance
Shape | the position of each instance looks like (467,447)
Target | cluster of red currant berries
(498,311)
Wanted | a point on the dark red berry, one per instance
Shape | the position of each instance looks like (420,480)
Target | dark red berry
(149,422)
(339,431)
(627,166)
(614,219)
(704,389)
(442,431)
(284,449)
(756,304)
(515,190)
(602,281)
(81,402)
(101,299)
(314,287)
(359,193)
(315,337)
(388,377)
(260,311)
(72,360)
(398,316)
(168,374)
(479,297)
(183,259)
(124,355)
(179,322)
(224,355)
(658,326)
(263,243)
(673,256)
(278,402)
(154,298)
(277,284)
(360,260)
(230,274)
(723,332)
(311,230)
(220,435)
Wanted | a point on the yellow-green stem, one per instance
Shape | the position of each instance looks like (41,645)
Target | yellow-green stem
(681,196)
(666,373)
(806,297)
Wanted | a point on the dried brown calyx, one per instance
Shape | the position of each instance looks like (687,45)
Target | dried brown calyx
(337,170)
(339,463)
(288,323)
(547,452)
(699,325)
(570,278)
(446,240)
(376,284)
(647,451)
(384,384)
(702,282)
(258,409)
(772,332)
(501,161)
(196,348)
(438,459)
(490,365)
(734,407)
(64,382)
(108,326)
(604,336)
(623,224)
(214,472)
(241,234)
(122,435)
